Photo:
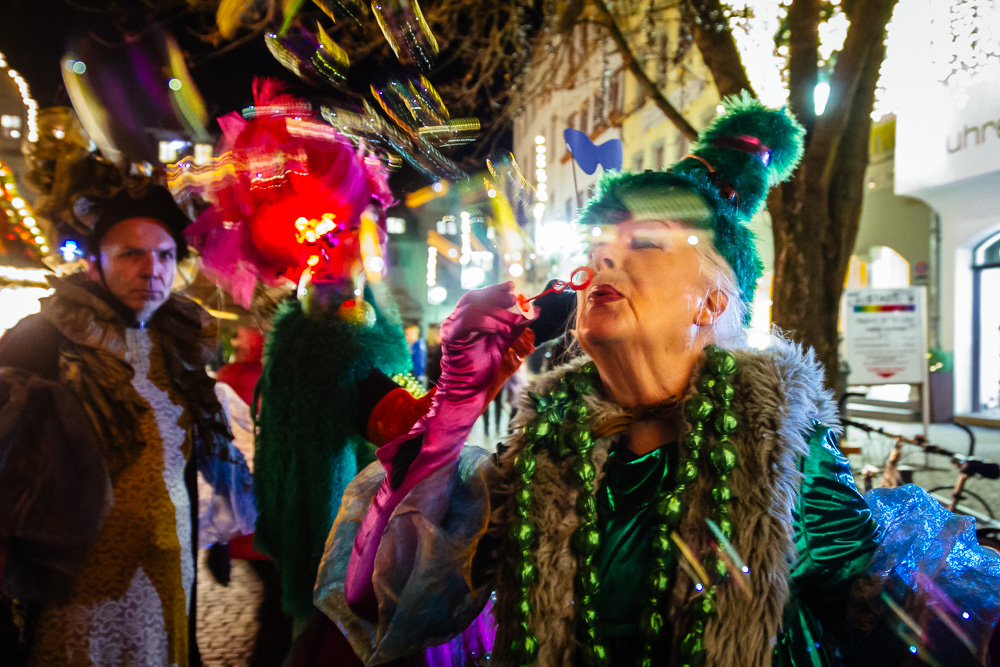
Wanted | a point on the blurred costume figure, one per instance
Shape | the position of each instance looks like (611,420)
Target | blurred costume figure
(418,352)
(107,412)
(668,497)
(294,201)
(244,370)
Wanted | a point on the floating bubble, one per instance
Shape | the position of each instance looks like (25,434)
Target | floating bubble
(508,177)
(407,32)
(352,9)
(364,124)
(910,632)
(452,133)
(316,59)
(689,561)
(122,91)
(416,107)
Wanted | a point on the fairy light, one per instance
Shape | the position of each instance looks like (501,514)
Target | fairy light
(466,256)
(541,177)
(30,105)
(21,220)
(432,266)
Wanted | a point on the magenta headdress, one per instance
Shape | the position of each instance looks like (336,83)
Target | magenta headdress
(283,194)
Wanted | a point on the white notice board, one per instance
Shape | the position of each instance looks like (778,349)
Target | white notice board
(886,335)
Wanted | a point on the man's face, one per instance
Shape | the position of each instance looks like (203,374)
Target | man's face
(138,257)
(412,334)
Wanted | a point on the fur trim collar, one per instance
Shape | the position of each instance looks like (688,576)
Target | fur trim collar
(87,315)
(779,400)
(93,364)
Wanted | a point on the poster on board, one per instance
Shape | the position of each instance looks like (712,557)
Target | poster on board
(885,335)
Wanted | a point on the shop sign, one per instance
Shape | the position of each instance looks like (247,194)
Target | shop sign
(886,335)
(939,141)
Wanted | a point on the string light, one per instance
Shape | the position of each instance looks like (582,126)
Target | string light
(21,222)
(30,105)
(432,255)
(541,176)
(466,238)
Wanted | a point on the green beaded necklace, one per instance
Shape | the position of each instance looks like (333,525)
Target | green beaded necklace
(560,429)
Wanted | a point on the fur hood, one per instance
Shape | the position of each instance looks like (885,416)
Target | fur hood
(779,400)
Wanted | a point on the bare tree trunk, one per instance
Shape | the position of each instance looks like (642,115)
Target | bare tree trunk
(815,216)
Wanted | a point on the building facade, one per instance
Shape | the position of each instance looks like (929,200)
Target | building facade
(902,239)
(948,156)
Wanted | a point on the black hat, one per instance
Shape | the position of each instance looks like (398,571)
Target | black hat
(153,201)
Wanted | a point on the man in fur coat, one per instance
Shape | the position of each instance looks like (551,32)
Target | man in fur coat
(106,411)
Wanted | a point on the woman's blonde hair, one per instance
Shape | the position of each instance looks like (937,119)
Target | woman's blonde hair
(726,329)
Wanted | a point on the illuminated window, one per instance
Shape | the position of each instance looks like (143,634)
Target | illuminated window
(637,161)
(10,122)
(395,225)
(202,153)
(168,152)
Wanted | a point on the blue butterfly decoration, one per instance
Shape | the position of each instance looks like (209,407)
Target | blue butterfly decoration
(609,154)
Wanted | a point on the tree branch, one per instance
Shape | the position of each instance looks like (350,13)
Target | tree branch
(718,50)
(803,57)
(866,34)
(639,72)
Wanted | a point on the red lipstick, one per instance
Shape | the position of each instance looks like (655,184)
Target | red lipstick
(604,294)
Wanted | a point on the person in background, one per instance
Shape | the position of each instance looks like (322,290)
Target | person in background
(107,412)
(245,368)
(418,351)
(433,355)
(274,633)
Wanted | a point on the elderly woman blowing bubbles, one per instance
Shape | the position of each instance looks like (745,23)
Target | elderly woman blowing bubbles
(668,498)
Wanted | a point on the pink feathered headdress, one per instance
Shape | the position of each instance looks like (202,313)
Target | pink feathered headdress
(282,166)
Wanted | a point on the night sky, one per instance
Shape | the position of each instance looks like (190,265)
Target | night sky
(34,35)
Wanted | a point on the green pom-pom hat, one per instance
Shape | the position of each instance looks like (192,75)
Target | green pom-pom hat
(718,187)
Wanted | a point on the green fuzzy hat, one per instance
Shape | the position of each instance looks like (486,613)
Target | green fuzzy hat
(718,187)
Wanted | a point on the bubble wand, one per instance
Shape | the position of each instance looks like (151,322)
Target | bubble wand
(578,280)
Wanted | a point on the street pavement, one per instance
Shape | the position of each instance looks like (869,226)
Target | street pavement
(227,614)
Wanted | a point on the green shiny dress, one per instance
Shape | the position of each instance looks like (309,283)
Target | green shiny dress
(834,537)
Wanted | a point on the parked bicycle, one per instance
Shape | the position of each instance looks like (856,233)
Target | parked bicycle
(955,498)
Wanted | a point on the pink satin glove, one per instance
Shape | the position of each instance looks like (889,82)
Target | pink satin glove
(474,340)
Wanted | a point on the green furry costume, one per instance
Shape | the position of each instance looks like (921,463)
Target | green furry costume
(308,445)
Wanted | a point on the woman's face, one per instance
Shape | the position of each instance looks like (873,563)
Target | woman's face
(647,290)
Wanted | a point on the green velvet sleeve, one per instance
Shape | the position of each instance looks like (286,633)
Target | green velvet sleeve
(835,534)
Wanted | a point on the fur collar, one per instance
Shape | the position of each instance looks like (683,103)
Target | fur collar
(93,364)
(779,399)
(85,313)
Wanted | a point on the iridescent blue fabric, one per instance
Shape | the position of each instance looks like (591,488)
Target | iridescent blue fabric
(937,573)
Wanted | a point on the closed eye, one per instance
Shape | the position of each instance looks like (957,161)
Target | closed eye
(641,243)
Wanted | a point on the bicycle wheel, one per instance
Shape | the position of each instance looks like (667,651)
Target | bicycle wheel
(989,538)
(971,503)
